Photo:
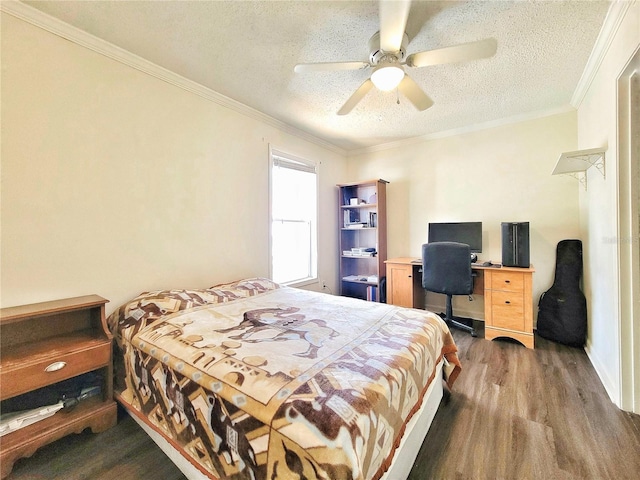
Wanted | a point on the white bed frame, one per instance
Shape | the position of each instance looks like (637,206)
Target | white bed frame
(416,430)
(404,457)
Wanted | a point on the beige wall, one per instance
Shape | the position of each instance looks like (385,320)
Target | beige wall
(597,127)
(494,175)
(115,182)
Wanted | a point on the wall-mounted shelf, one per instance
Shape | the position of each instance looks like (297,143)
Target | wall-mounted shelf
(576,164)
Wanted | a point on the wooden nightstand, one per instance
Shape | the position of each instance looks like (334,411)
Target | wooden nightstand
(46,343)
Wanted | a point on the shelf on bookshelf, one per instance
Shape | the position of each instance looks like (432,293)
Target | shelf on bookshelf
(365,279)
(362,205)
(374,284)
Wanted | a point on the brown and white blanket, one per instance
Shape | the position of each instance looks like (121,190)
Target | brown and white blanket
(252,380)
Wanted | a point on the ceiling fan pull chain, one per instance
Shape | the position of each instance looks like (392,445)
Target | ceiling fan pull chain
(397,96)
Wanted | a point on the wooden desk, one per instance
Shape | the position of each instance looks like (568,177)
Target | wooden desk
(404,282)
(508,292)
(508,304)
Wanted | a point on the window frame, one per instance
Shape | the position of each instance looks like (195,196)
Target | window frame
(275,153)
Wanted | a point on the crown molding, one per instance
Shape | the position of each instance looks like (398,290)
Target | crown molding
(615,15)
(31,15)
(80,37)
(462,130)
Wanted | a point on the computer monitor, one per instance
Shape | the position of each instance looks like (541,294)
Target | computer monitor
(461,232)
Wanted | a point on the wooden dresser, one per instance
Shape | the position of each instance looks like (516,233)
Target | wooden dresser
(508,304)
(43,344)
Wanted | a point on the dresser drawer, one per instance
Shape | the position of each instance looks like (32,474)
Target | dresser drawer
(507,281)
(507,310)
(45,370)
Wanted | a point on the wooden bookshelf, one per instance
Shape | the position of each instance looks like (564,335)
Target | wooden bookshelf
(363,225)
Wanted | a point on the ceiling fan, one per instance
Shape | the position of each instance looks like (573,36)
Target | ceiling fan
(387,58)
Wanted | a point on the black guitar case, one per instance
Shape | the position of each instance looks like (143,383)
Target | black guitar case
(562,310)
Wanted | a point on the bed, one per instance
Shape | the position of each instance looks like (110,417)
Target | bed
(255,380)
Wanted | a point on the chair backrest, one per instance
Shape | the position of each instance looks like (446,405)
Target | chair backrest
(446,268)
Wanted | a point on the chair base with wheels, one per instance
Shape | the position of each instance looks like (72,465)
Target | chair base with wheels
(455,321)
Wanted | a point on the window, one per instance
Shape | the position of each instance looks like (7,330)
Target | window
(293,219)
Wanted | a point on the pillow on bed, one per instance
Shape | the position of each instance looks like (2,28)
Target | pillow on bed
(246,288)
(149,306)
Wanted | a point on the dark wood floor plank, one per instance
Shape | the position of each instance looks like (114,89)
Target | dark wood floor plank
(123,452)
(514,413)
(530,414)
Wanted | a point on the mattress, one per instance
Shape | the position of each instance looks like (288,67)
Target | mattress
(254,380)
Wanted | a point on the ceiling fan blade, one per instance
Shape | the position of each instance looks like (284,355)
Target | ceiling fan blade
(393,21)
(410,89)
(356,97)
(456,53)
(329,66)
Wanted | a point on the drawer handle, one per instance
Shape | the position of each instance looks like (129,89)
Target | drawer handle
(507,302)
(55,366)
(507,281)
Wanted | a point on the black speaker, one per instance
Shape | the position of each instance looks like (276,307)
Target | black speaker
(515,244)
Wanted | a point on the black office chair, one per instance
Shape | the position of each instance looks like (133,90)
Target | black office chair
(446,268)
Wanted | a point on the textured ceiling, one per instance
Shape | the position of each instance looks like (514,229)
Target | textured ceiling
(246,50)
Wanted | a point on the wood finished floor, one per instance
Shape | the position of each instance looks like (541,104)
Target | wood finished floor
(514,413)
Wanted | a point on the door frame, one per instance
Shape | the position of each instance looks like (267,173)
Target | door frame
(628,119)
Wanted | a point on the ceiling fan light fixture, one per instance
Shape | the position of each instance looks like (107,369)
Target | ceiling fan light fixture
(387,77)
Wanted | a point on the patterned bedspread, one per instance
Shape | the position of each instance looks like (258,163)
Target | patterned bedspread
(253,380)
